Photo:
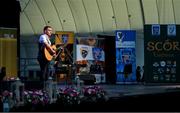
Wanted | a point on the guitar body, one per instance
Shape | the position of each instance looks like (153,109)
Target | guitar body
(47,54)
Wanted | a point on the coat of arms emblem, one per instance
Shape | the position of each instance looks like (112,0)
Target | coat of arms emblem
(84,51)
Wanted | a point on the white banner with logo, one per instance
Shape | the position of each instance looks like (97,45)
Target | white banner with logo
(84,52)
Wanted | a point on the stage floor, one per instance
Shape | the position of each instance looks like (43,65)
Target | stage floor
(120,90)
(136,97)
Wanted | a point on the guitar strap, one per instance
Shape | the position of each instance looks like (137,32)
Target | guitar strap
(47,39)
(43,45)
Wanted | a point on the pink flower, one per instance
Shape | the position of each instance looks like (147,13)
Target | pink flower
(6,93)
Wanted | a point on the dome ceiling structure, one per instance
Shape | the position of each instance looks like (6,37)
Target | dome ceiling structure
(95,16)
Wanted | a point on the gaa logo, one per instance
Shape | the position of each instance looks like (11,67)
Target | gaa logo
(171,30)
(120,36)
(155,30)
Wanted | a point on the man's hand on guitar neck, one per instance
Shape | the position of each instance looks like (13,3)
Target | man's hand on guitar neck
(59,48)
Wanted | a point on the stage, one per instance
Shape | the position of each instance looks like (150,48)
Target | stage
(134,98)
(126,98)
(121,90)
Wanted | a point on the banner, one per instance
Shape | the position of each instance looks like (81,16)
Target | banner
(90,59)
(162,53)
(65,40)
(8,51)
(125,56)
(98,54)
(84,52)
(64,37)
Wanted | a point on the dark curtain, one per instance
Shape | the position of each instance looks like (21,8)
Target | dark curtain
(110,58)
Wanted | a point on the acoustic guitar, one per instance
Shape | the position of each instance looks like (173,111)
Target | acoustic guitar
(49,56)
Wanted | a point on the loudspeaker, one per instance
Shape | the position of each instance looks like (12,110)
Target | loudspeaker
(88,79)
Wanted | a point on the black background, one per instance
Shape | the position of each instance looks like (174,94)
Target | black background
(149,58)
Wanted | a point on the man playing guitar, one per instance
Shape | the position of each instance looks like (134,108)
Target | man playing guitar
(45,43)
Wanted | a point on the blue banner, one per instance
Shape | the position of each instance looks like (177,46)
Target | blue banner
(125,56)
